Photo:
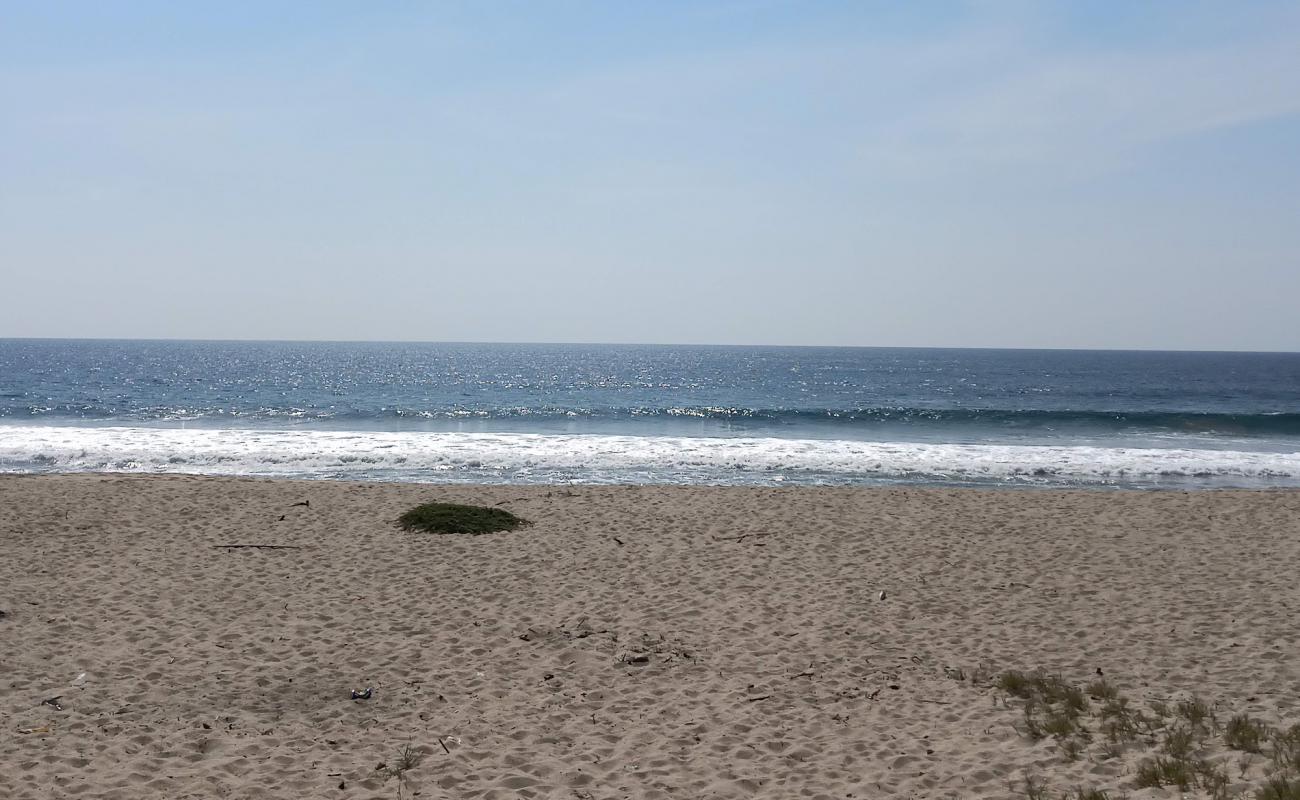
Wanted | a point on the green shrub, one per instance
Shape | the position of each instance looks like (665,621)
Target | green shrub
(452,518)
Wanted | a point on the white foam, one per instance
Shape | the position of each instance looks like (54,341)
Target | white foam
(606,458)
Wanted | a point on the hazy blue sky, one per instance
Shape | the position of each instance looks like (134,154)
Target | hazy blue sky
(1090,174)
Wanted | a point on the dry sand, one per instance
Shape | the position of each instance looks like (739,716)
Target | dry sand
(774,670)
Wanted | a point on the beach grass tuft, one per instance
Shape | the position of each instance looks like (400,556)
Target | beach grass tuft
(1120,721)
(1052,707)
(1179,743)
(1071,748)
(1213,779)
(1286,749)
(1279,787)
(1181,739)
(1161,709)
(1245,734)
(408,758)
(1030,727)
(1049,689)
(1035,789)
(1016,683)
(1101,690)
(1197,713)
(453,518)
(1161,771)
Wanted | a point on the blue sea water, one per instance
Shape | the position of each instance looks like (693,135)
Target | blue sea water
(652,414)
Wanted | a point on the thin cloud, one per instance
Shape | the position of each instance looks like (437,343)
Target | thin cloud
(1090,110)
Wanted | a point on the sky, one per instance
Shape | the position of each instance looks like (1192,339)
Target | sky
(982,174)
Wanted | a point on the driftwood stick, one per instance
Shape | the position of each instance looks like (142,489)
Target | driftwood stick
(742,537)
(444,746)
(260,546)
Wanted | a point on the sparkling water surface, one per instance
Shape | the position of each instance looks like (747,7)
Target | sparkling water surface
(651,414)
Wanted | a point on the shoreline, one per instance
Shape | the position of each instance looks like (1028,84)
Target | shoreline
(509,661)
(575,484)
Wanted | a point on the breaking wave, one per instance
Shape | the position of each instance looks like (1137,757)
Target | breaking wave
(598,458)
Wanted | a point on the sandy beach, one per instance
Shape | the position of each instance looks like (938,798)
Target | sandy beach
(634,642)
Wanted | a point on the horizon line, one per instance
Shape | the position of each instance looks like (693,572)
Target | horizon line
(635,344)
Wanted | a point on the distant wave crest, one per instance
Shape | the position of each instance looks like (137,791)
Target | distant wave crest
(1259,424)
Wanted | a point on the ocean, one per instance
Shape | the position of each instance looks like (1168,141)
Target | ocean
(599,414)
